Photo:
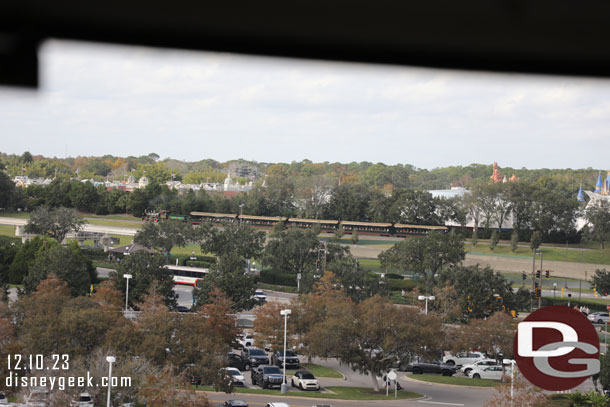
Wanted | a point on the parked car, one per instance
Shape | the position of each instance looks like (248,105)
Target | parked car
(267,376)
(479,364)
(256,356)
(245,340)
(277,405)
(238,361)
(182,308)
(489,372)
(598,317)
(260,296)
(237,377)
(235,403)
(3,400)
(463,358)
(305,380)
(292,360)
(84,400)
(431,366)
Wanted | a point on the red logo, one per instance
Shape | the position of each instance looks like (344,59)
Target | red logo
(556,348)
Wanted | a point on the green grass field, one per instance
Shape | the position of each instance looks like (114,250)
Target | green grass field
(593,255)
(334,393)
(459,381)
(7,230)
(115,223)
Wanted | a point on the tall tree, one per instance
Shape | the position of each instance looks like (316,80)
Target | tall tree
(67,263)
(149,274)
(164,236)
(233,239)
(599,219)
(227,275)
(55,223)
(425,255)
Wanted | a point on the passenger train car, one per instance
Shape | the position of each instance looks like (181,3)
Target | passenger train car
(349,227)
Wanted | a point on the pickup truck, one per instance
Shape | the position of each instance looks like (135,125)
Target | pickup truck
(267,376)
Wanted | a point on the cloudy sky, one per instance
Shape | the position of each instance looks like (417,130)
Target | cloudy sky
(99,99)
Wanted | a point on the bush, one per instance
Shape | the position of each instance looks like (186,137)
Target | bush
(278,278)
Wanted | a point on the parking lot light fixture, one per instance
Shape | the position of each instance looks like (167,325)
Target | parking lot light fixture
(127,277)
(285,313)
(426,298)
(110,360)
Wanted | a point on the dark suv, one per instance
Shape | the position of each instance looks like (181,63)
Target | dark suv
(435,366)
(267,376)
(238,361)
(256,356)
(292,360)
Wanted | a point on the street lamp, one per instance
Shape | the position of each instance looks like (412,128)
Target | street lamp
(554,289)
(424,297)
(285,313)
(110,360)
(127,277)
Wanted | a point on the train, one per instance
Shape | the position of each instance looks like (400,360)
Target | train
(325,225)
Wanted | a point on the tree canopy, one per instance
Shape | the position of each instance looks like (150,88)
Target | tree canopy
(55,223)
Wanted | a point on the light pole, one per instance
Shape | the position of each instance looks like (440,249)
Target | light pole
(127,277)
(554,289)
(424,297)
(285,313)
(110,360)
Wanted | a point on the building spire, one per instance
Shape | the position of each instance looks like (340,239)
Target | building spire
(580,197)
(598,186)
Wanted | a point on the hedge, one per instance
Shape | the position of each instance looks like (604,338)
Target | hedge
(278,278)
(592,304)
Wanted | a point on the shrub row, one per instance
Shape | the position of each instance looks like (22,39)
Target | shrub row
(277,278)
(399,285)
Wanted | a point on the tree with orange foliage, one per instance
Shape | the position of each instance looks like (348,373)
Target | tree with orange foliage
(108,297)
(269,326)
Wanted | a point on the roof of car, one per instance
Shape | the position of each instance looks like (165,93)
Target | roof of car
(237,403)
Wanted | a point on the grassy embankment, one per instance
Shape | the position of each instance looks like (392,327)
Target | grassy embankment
(334,393)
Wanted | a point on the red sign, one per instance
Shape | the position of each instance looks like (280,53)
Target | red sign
(608,307)
(556,348)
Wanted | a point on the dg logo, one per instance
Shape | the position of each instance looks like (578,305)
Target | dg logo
(556,348)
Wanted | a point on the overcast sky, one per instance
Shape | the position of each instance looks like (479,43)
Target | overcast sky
(101,99)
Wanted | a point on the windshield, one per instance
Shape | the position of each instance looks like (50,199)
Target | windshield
(272,370)
(289,353)
(257,352)
(307,376)
(234,372)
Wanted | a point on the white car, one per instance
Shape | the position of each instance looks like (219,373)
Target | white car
(237,377)
(245,340)
(305,381)
(598,317)
(277,405)
(84,400)
(481,363)
(260,296)
(489,372)
(463,358)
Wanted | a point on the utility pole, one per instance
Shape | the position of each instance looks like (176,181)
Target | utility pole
(533,280)
(540,282)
